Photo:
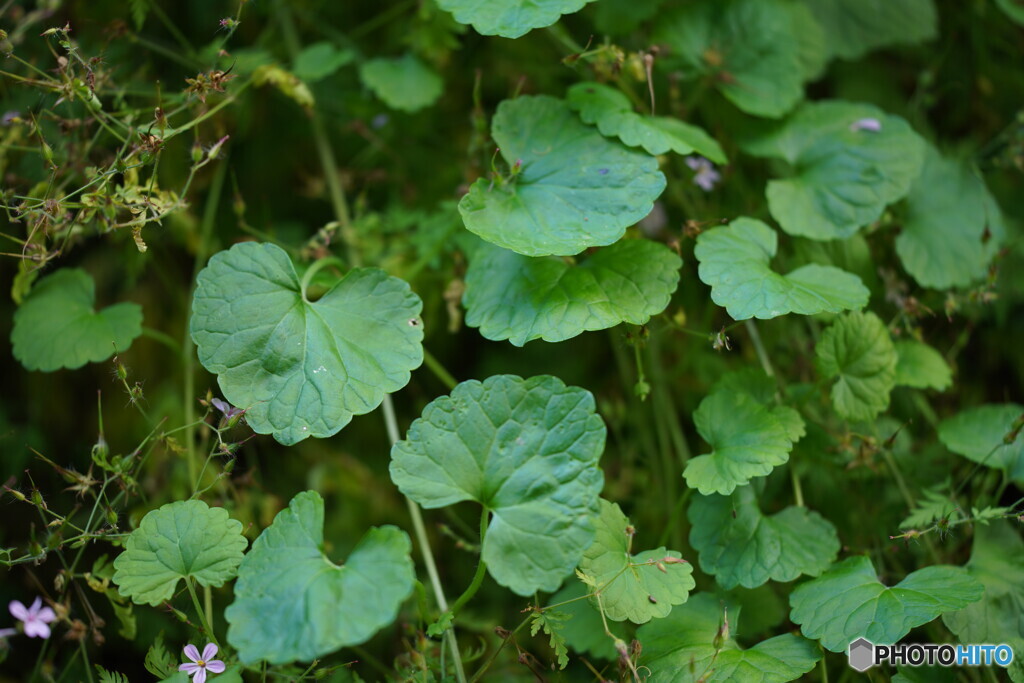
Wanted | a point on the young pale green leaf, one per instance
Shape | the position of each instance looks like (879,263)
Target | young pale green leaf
(855,27)
(845,172)
(758,53)
(302,368)
(610,110)
(319,60)
(403,83)
(575,188)
(933,505)
(990,435)
(57,326)
(510,18)
(920,366)
(681,648)
(741,546)
(293,604)
(953,226)
(636,587)
(849,602)
(584,631)
(747,438)
(552,623)
(519,298)
(858,352)
(526,450)
(183,539)
(734,261)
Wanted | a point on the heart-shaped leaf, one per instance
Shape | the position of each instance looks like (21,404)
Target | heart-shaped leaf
(183,539)
(571,188)
(510,18)
(519,298)
(858,352)
(734,261)
(403,83)
(526,450)
(57,326)
(919,365)
(302,368)
(990,435)
(293,603)
(849,602)
(855,27)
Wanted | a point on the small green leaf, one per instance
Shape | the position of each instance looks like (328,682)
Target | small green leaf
(302,368)
(681,648)
(57,327)
(526,450)
(519,298)
(158,660)
(510,18)
(319,60)
(858,352)
(584,631)
(552,623)
(403,83)
(293,603)
(932,506)
(990,435)
(849,602)
(638,587)
(734,261)
(109,676)
(609,109)
(575,189)
(855,27)
(179,540)
(920,366)
(741,546)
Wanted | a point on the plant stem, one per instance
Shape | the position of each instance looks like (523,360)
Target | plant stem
(199,611)
(481,569)
(439,370)
(762,354)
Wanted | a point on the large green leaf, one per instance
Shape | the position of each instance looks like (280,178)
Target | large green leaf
(575,188)
(953,226)
(734,261)
(844,173)
(610,110)
(681,648)
(638,587)
(526,450)
(747,438)
(404,83)
(741,546)
(57,326)
(919,365)
(855,27)
(989,435)
(519,298)
(849,602)
(858,352)
(510,18)
(302,368)
(183,539)
(758,53)
(293,603)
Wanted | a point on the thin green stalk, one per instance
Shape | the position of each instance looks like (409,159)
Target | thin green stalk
(439,370)
(762,353)
(199,611)
(481,569)
(907,498)
(494,655)
(208,606)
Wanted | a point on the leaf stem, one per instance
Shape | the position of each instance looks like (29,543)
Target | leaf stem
(762,354)
(315,268)
(439,370)
(481,569)
(199,611)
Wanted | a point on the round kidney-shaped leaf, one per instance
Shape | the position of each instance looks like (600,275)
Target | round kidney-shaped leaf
(403,83)
(990,435)
(292,603)
(509,18)
(921,366)
(858,352)
(302,368)
(526,450)
(576,189)
(184,539)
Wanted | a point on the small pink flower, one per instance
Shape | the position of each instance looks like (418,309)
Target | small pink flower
(34,619)
(868,124)
(706,176)
(201,662)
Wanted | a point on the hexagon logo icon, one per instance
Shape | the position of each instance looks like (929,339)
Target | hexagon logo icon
(862,654)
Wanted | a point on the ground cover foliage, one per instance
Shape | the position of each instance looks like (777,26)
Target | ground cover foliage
(439,340)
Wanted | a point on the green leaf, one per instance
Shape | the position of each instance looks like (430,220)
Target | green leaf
(510,18)
(932,506)
(844,175)
(747,439)
(526,450)
(610,110)
(1014,10)
(575,188)
(140,9)
(316,606)
(618,17)
(403,83)
(990,435)
(741,546)
(953,226)
(584,631)
(638,587)
(302,368)
(179,540)
(920,366)
(57,326)
(858,352)
(681,648)
(158,660)
(552,623)
(758,53)
(109,676)
(855,27)
(319,60)
(849,602)
(734,261)
(519,298)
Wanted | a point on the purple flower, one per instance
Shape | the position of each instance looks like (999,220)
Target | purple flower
(706,177)
(868,124)
(201,663)
(229,410)
(34,619)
